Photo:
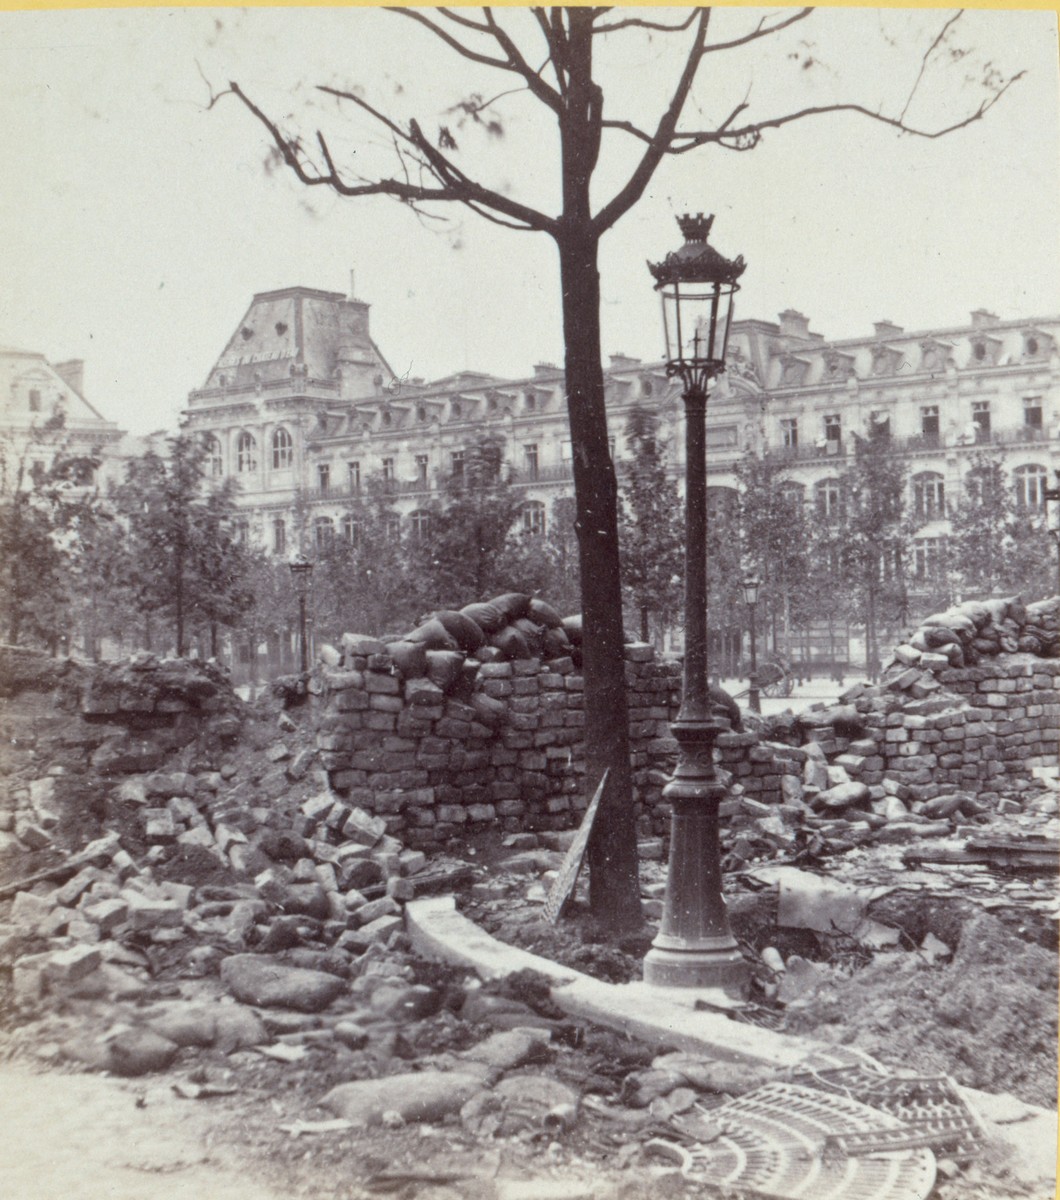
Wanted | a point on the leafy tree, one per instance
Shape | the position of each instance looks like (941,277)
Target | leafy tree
(775,541)
(556,57)
(49,509)
(459,555)
(994,546)
(651,529)
(875,534)
(362,582)
(184,563)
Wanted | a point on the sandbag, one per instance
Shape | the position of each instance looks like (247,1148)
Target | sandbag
(572,627)
(444,668)
(410,658)
(511,643)
(488,617)
(544,614)
(468,633)
(512,604)
(434,635)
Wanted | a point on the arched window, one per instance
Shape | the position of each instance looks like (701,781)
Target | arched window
(828,497)
(534,518)
(323,532)
(246,452)
(351,529)
(214,457)
(420,524)
(929,496)
(282,449)
(1031,482)
(279,535)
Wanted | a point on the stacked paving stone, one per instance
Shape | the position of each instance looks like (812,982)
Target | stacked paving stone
(467,722)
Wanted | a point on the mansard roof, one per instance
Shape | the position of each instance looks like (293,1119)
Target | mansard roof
(298,331)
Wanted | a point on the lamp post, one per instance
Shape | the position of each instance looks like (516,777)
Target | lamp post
(695,946)
(750,594)
(1053,493)
(301,570)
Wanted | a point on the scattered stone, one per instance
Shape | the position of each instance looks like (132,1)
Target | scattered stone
(257,979)
(139,1052)
(419,1096)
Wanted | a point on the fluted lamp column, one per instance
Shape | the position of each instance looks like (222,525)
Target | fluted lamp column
(301,572)
(695,947)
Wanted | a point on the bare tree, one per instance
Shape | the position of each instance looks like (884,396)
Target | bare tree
(549,53)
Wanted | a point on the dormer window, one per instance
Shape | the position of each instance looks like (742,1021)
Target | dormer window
(421,413)
(530,402)
(646,387)
(456,408)
(34,400)
(387,417)
(979,351)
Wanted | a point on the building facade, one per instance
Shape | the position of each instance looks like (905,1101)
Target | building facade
(33,393)
(303,409)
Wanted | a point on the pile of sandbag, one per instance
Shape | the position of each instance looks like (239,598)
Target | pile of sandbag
(964,634)
(512,626)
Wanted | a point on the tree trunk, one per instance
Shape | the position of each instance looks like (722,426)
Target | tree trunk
(644,629)
(614,893)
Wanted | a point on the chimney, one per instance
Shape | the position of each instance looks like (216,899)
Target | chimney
(73,374)
(981,319)
(541,369)
(886,329)
(794,324)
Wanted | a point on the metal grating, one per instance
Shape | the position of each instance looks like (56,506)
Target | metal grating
(929,1108)
(779,1141)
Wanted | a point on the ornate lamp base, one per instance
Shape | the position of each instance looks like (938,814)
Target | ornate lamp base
(695,947)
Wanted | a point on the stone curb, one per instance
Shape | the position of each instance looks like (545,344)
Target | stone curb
(651,1014)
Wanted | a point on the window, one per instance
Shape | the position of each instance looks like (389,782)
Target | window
(421,467)
(214,458)
(323,532)
(392,526)
(929,420)
(324,477)
(929,496)
(282,449)
(456,464)
(351,529)
(420,524)
(246,453)
(833,428)
(354,475)
(388,470)
(722,503)
(34,400)
(279,536)
(928,555)
(241,532)
(981,484)
(530,455)
(421,413)
(1031,482)
(565,452)
(534,518)
(529,401)
(879,425)
(456,409)
(792,496)
(789,431)
(828,497)
(1032,412)
(981,419)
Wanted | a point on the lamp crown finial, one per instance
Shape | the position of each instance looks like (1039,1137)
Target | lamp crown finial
(695,228)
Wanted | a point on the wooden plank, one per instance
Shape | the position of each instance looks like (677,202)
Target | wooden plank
(566,880)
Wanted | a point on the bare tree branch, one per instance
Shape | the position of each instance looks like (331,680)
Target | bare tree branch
(634,187)
(547,95)
(452,42)
(748,136)
(924,60)
(761,30)
(454,186)
(639,23)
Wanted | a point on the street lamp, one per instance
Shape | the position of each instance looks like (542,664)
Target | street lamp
(750,594)
(695,946)
(301,570)
(1053,493)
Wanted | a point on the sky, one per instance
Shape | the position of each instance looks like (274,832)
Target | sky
(139,219)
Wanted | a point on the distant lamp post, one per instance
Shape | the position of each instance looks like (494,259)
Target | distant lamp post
(695,946)
(750,588)
(1053,493)
(301,571)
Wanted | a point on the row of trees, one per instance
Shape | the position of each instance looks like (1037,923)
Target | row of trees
(858,553)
